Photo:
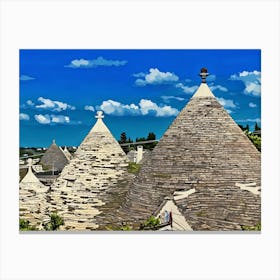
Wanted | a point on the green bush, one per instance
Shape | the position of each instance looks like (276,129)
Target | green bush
(24,225)
(55,222)
(257,227)
(255,139)
(133,168)
(150,223)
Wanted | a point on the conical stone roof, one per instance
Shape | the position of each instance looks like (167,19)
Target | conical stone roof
(32,198)
(83,185)
(67,153)
(54,157)
(203,149)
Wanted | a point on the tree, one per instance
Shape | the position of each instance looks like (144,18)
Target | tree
(257,127)
(123,138)
(151,136)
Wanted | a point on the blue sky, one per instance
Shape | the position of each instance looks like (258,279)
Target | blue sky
(139,91)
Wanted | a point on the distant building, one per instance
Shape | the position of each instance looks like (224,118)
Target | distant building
(54,158)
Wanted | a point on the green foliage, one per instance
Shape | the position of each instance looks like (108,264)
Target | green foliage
(255,139)
(55,222)
(257,227)
(24,225)
(126,228)
(151,223)
(123,138)
(257,127)
(133,168)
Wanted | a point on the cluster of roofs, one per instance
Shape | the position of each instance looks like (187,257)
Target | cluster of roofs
(204,174)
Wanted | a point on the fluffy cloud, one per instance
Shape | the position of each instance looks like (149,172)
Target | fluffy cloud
(99,61)
(218,87)
(252,105)
(42,119)
(26,78)
(30,103)
(156,77)
(48,119)
(229,111)
(211,78)
(227,103)
(167,98)
(57,106)
(89,108)
(186,89)
(145,107)
(139,75)
(251,80)
(24,117)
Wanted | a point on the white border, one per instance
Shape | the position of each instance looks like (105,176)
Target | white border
(153,24)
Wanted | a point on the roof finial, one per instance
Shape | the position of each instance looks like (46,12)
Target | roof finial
(53,141)
(99,115)
(29,162)
(203,74)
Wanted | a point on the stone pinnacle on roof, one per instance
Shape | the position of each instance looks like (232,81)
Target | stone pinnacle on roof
(203,90)
(203,74)
(30,177)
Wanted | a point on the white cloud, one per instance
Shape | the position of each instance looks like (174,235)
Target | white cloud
(145,107)
(229,111)
(227,103)
(116,108)
(89,108)
(26,78)
(48,119)
(186,89)
(256,120)
(251,80)
(218,87)
(99,61)
(139,75)
(252,105)
(49,104)
(156,77)
(211,78)
(30,103)
(167,98)
(60,119)
(42,119)
(24,117)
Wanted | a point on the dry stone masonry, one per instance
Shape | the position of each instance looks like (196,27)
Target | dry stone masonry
(54,158)
(32,204)
(98,167)
(203,149)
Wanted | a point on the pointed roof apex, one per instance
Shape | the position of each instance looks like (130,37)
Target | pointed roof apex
(30,177)
(53,141)
(203,91)
(99,125)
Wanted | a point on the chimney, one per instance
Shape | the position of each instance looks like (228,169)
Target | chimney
(139,155)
